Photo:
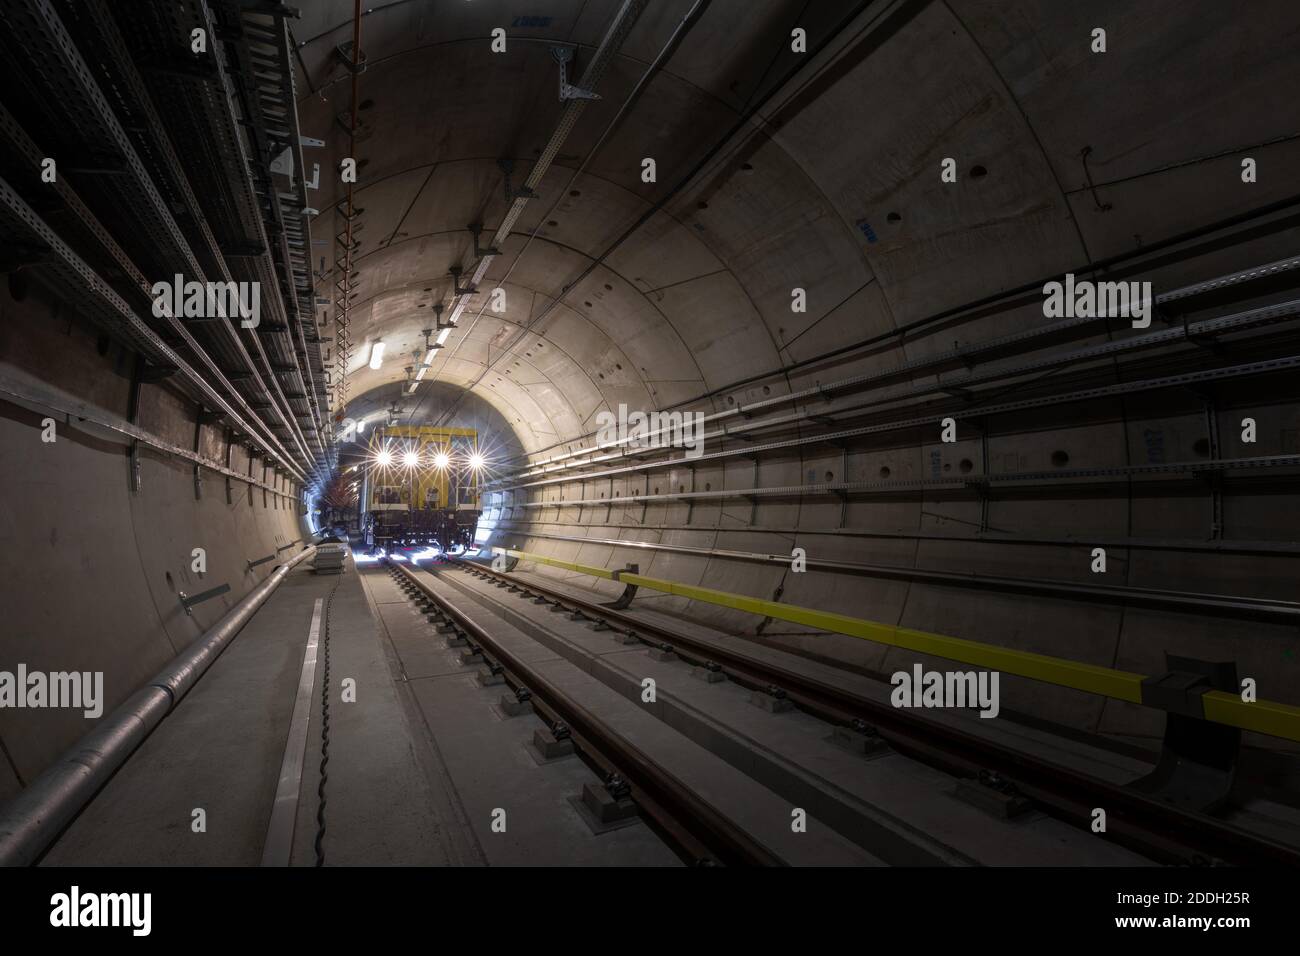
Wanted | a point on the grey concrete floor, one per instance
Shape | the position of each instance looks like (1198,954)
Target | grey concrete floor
(220,751)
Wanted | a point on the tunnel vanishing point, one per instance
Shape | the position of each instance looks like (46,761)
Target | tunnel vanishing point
(649,432)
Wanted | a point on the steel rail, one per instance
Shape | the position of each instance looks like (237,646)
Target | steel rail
(1145,824)
(654,788)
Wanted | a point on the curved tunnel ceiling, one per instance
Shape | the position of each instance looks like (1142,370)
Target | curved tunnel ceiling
(910,458)
(698,297)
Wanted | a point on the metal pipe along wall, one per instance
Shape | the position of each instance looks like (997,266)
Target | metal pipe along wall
(33,819)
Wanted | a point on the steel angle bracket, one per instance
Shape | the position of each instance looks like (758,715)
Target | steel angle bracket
(564,56)
(1198,758)
(480,252)
(189,600)
(629,590)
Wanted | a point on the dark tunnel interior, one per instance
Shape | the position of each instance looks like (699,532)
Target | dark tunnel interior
(623,433)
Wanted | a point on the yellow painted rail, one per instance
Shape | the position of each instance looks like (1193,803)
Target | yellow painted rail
(1262,716)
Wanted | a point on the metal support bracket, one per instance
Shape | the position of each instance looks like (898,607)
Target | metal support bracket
(523,192)
(629,590)
(476,230)
(776,596)
(564,56)
(456,272)
(188,602)
(1198,759)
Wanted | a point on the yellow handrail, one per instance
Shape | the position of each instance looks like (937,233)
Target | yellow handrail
(1261,716)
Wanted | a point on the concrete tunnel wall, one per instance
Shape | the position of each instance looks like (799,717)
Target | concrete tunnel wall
(91,569)
(836,191)
(839,193)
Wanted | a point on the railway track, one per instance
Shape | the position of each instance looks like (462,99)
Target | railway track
(1147,826)
(694,828)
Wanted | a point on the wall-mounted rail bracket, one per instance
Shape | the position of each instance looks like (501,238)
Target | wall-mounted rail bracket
(629,590)
(188,601)
(1198,758)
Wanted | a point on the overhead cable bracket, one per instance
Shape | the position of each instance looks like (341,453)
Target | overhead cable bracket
(476,230)
(455,272)
(523,192)
(564,56)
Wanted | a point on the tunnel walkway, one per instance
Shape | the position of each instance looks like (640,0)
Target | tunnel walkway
(220,751)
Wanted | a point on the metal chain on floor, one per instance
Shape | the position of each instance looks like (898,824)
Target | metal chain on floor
(324,727)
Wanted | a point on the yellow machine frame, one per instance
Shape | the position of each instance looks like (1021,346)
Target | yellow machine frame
(427,484)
